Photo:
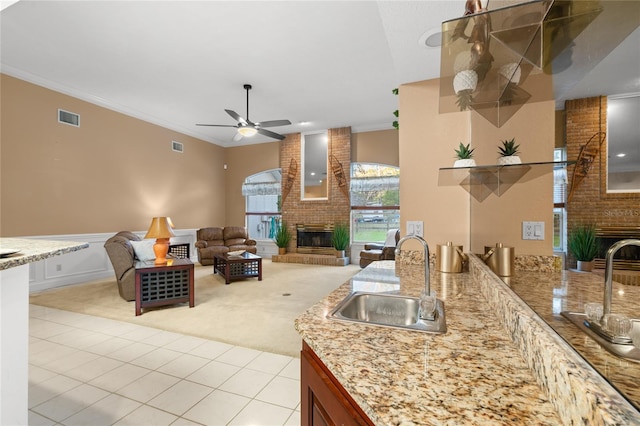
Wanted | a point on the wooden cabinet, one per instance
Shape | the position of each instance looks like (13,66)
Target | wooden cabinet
(323,400)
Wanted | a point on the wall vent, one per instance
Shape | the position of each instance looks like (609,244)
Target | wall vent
(177,147)
(70,118)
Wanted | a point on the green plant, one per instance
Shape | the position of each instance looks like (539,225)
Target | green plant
(463,152)
(340,237)
(283,236)
(508,148)
(582,242)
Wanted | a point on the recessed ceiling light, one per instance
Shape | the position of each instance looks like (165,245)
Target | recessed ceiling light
(622,154)
(431,38)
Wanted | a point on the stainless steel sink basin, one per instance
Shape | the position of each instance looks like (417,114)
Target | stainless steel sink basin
(388,310)
(620,346)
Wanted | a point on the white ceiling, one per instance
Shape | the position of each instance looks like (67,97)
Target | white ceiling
(178,63)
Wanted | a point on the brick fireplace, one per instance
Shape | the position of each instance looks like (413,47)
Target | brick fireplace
(335,209)
(615,215)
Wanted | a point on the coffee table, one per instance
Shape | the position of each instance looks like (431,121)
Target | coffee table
(246,265)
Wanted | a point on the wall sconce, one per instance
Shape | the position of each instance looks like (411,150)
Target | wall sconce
(160,229)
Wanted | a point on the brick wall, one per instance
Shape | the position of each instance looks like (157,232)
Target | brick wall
(590,202)
(336,209)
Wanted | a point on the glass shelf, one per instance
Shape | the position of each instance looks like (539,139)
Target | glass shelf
(482,181)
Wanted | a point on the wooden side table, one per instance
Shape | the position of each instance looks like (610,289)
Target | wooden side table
(159,285)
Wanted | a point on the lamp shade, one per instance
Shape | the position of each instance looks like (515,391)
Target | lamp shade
(247,131)
(160,228)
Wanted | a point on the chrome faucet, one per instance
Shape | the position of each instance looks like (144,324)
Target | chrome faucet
(427,280)
(608,271)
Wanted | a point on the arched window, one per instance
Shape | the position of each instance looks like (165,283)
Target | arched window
(375,201)
(263,202)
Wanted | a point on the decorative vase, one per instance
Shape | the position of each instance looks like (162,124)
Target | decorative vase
(466,162)
(282,250)
(585,266)
(509,159)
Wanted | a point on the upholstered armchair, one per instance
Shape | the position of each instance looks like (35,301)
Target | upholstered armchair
(237,238)
(123,259)
(375,251)
(213,241)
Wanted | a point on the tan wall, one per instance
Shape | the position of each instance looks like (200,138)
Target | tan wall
(376,147)
(427,143)
(499,219)
(242,162)
(427,140)
(112,173)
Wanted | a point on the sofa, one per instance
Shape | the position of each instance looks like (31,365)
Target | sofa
(375,251)
(216,240)
(123,259)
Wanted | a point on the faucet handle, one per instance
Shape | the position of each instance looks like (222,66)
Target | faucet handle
(428,304)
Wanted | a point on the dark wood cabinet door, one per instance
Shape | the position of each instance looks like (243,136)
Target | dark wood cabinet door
(324,401)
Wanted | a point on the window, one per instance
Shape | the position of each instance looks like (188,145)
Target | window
(375,201)
(559,200)
(263,201)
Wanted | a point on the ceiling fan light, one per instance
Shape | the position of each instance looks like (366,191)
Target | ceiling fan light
(247,131)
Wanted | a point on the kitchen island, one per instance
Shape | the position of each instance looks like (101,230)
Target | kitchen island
(480,372)
(17,253)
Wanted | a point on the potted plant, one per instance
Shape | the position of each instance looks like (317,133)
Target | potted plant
(582,243)
(340,238)
(464,156)
(509,152)
(282,238)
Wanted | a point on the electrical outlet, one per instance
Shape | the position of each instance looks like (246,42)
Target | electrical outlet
(415,227)
(533,230)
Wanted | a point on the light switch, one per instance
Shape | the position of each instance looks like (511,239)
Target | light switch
(533,230)
(415,227)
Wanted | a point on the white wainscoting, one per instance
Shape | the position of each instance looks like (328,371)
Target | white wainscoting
(89,264)
(266,248)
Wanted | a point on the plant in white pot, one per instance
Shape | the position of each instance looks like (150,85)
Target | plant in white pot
(582,243)
(509,152)
(340,239)
(464,156)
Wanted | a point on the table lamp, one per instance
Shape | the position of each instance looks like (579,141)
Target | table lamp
(160,229)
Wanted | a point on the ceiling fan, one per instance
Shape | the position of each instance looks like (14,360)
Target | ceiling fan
(247,127)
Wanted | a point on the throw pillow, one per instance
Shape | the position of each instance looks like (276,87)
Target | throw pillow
(144,249)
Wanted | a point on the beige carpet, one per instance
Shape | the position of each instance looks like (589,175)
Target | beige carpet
(250,313)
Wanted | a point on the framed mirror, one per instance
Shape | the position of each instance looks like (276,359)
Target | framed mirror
(623,144)
(315,158)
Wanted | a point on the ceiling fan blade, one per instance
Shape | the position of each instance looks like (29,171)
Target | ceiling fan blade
(236,116)
(270,134)
(273,123)
(237,137)
(216,125)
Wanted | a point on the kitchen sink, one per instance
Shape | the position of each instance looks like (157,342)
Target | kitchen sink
(388,310)
(620,346)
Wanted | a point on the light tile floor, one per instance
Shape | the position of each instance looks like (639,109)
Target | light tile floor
(86,370)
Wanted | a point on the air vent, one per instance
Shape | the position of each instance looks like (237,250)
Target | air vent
(177,147)
(70,118)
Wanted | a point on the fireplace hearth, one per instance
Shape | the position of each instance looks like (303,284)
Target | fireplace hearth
(628,258)
(314,238)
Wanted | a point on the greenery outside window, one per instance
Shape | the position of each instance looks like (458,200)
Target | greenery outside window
(375,201)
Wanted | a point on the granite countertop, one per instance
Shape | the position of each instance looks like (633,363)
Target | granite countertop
(28,250)
(550,294)
(473,374)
